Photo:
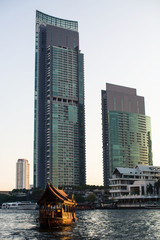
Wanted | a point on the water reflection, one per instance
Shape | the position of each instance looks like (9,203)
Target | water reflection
(95,225)
(62,233)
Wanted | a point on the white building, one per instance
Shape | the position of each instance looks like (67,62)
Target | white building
(22,174)
(133,184)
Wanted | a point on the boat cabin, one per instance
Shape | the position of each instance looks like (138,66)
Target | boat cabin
(56,208)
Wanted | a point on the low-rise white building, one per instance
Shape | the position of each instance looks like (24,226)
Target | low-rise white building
(134,184)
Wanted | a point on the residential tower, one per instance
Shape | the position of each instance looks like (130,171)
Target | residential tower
(126,130)
(59,121)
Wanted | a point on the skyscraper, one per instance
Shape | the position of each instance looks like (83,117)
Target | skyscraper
(126,130)
(22,174)
(59,124)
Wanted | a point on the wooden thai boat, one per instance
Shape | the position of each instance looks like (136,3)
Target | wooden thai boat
(56,208)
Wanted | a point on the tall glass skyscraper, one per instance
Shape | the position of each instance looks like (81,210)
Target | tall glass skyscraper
(126,130)
(59,124)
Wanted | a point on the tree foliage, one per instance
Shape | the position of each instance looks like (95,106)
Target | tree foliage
(79,198)
(149,188)
(30,195)
(157,186)
(10,198)
(91,198)
(35,194)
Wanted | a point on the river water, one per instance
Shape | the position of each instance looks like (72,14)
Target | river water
(93,224)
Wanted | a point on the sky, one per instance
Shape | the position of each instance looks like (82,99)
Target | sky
(120,40)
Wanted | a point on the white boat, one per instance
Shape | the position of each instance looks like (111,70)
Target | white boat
(20,205)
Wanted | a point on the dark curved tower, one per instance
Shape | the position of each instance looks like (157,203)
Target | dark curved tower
(59,123)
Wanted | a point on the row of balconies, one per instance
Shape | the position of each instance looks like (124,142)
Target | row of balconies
(119,183)
(141,177)
(137,176)
(134,196)
(119,191)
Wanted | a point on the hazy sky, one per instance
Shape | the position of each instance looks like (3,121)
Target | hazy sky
(120,40)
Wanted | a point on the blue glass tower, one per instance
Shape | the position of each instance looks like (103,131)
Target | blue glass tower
(59,123)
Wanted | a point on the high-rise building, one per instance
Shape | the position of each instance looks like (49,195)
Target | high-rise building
(22,174)
(126,130)
(59,122)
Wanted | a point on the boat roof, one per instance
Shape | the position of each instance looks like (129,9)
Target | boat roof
(52,195)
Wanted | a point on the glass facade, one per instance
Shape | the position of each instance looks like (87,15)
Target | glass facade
(59,137)
(130,140)
(42,18)
(126,130)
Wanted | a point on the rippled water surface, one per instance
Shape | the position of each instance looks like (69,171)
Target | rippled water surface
(94,224)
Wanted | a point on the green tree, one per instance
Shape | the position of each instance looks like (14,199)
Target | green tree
(91,198)
(157,186)
(4,198)
(150,188)
(35,194)
(79,198)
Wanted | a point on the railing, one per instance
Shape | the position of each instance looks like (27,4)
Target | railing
(135,196)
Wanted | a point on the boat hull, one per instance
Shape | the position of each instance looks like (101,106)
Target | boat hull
(49,223)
